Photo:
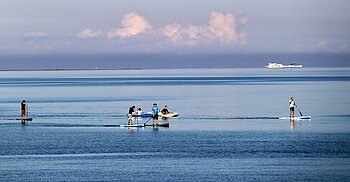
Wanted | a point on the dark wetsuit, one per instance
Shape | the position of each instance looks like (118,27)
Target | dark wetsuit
(165,111)
(23,108)
(131,110)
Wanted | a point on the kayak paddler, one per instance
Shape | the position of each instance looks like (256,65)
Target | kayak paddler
(165,110)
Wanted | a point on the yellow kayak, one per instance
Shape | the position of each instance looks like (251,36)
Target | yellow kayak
(169,115)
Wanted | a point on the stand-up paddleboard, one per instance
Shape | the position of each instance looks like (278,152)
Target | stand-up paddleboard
(160,124)
(145,115)
(25,119)
(169,115)
(133,125)
(297,118)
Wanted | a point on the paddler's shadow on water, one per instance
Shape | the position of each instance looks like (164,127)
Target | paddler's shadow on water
(155,128)
(24,123)
(134,129)
(292,124)
(299,124)
(131,130)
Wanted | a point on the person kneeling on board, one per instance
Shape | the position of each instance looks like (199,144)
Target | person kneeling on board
(291,107)
(129,119)
(165,110)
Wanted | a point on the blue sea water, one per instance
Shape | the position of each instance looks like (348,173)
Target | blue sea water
(228,128)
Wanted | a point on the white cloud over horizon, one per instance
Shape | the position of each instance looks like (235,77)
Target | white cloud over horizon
(131,25)
(88,33)
(321,44)
(221,27)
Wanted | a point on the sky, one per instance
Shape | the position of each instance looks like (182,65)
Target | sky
(111,33)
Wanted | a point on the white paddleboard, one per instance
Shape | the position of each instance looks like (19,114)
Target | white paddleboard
(133,125)
(297,118)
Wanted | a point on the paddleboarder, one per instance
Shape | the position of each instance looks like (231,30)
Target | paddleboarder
(155,111)
(23,108)
(139,112)
(291,107)
(132,110)
(130,119)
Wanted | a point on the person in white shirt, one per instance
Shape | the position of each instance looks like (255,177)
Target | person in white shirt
(291,107)
(139,112)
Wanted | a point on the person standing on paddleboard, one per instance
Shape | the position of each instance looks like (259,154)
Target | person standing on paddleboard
(155,111)
(24,109)
(291,107)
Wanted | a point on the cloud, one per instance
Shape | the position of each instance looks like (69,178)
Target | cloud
(244,20)
(88,33)
(187,35)
(36,34)
(321,44)
(221,27)
(173,31)
(131,25)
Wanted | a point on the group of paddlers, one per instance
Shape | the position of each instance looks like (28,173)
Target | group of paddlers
(155,111)
(138,112)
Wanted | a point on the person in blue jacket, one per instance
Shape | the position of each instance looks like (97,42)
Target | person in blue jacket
(155,111)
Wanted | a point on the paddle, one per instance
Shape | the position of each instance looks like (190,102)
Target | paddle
(147,121)
(301,114)
(27,111)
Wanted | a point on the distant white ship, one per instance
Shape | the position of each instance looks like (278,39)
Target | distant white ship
(277,65)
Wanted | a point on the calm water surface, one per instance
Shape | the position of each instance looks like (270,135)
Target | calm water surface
(228,127)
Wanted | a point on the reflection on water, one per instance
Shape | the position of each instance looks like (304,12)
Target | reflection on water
(292,124)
